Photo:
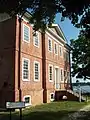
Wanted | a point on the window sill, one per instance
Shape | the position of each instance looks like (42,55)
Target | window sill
(25,80)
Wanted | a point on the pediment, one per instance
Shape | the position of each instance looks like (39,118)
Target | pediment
(57,30)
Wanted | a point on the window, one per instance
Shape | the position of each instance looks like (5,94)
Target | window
(36,71)
(27,100)
(67,57)
(26,33)
(25,69)
(68,77)
(50,72)
(61,74)
(36,39)
(60,51)
(55,48)
(65,75)
(49,44)
(52,97)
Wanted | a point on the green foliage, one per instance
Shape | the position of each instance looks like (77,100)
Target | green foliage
(43,12)
(81,57)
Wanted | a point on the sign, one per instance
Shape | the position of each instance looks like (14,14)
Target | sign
(15,105)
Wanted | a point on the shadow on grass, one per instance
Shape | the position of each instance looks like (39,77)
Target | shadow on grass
(44,115)
(39,115)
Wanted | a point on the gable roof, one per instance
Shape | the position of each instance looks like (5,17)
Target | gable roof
(59,31)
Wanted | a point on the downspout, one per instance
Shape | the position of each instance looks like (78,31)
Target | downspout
(44,68)
(19,58)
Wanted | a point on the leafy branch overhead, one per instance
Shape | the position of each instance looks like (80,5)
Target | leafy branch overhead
(81,57)
(43,12)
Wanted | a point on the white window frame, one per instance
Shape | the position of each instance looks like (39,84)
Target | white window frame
(56,47)
(38,39)
(27,104)
(49,72)
(28,69)
(62,74)
(61,53)
(53,95)
(23,33)
(38,69)
(48,44)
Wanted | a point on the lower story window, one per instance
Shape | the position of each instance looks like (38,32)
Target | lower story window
(52,97)
(27,100)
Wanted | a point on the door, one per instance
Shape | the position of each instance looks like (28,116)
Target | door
(57,83)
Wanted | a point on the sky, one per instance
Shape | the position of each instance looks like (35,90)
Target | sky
(69,30)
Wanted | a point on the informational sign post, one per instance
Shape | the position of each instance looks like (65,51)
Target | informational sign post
(15,105)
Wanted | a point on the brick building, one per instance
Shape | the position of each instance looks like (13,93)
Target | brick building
(32,67)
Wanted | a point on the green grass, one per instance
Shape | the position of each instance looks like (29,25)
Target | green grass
(51,111)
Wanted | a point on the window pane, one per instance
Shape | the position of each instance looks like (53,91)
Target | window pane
(25,69)
(61,75)
(36,39)
(26,33)
(60,51)
(49,45)
(36,71)
(55,48)
(50,73)
(27,99)
(52,96)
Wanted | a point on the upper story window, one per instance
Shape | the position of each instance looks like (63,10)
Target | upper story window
(55,48)
(50,73)
(36,71)
(36,39)
(26,33)
(49,44)
(66,56)
(25,69)
(60,48)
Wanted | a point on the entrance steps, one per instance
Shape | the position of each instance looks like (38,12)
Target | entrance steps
(71,95)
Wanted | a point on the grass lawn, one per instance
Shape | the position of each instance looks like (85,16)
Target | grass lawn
(51,111)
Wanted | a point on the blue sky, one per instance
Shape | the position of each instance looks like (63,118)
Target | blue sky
(69,30)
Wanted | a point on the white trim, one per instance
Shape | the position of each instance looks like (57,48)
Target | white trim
(59,30)
(61,39)
(25,19)
(38,70)
(50,96)
(28,69)
(23,33)
(48,44)
(56,66)
(56,48)
(49,72)
(38,40)
(27,104)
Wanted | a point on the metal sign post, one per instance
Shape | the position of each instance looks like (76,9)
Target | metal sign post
(10,114)
(15,105)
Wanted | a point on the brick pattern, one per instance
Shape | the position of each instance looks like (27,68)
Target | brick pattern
(9,53)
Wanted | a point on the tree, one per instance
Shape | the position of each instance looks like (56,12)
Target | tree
(81,57)
(43,12)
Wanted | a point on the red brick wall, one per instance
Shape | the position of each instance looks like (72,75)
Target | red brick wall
(29,51)
(7,55)
(55,60)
